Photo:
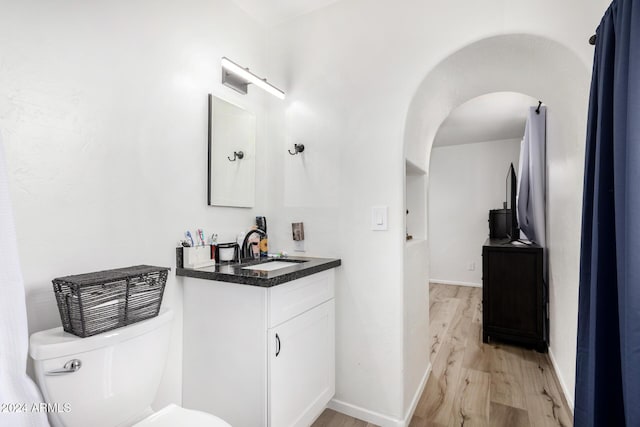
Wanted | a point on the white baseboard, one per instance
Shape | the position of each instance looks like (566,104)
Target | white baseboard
(417,395)
(456,283)
(567,394)
(376,417)
(364,414)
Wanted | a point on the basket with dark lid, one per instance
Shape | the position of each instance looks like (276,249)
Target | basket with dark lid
(93,303)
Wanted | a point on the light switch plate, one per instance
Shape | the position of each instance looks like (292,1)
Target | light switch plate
(379,218)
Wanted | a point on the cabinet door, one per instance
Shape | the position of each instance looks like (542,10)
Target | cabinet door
(514,293)
(302,367)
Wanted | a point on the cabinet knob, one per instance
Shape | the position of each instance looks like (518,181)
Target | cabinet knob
(278,345)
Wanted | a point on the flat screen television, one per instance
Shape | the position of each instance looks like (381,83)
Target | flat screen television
(513,232)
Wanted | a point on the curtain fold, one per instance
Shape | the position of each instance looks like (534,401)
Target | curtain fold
(532,177)
(608,347)
(15,386)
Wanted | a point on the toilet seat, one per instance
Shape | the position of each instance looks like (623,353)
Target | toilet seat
(174,415)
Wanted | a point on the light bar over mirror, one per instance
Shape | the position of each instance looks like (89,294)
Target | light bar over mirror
(238,78)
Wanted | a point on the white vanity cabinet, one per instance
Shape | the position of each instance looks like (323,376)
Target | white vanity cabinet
(258,356)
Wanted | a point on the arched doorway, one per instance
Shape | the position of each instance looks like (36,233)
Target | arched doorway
(553,73)
(471,155)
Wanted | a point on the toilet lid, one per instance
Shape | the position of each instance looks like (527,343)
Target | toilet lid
(174,415)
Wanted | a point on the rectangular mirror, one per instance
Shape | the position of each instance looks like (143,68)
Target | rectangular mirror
(232,160)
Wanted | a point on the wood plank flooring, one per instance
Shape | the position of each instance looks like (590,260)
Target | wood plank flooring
(477,384)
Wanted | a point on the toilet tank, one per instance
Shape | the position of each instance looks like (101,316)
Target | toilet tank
(119,375)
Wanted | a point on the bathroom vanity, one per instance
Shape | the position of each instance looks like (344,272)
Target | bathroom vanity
(259,340)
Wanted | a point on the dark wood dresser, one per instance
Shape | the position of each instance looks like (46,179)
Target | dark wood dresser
(514,295)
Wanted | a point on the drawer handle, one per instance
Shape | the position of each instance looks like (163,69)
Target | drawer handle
(278,345)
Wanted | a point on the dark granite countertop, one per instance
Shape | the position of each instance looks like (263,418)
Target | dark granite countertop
(236,273)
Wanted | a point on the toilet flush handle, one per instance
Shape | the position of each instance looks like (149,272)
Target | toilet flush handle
(70,367)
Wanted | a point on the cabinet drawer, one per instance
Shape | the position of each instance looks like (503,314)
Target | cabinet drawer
(290,299)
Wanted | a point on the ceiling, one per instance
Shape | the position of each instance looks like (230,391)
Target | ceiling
(492,117)
(273,12)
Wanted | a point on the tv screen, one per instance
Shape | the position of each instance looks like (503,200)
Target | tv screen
(510,204)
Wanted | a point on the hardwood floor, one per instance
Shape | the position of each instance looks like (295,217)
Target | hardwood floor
(477,384)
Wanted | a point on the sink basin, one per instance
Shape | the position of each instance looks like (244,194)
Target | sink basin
(270,266)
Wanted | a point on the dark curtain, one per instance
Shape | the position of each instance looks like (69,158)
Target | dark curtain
(608,351)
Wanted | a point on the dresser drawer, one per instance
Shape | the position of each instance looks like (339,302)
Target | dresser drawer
(293,298)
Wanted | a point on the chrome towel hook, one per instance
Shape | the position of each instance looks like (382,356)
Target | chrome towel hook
(236,155)
(298,148)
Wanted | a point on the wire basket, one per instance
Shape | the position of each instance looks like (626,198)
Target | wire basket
(93,303)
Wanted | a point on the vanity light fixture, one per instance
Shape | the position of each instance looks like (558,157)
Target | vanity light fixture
(239,78)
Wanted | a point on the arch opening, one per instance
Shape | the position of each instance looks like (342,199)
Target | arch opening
(543,69)
(471,155)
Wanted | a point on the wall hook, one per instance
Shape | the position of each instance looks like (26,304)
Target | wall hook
(298,148)
(236,155)
(538,109)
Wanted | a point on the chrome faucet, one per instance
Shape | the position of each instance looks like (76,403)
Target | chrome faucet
(244,249)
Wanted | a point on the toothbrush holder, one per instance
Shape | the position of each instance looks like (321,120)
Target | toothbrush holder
(198,257)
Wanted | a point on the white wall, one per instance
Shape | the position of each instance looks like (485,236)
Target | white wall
(351,71)
(416,338)
(466,181)
(103,110)
(415,303)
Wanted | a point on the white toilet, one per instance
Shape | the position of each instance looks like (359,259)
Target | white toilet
(110,379)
